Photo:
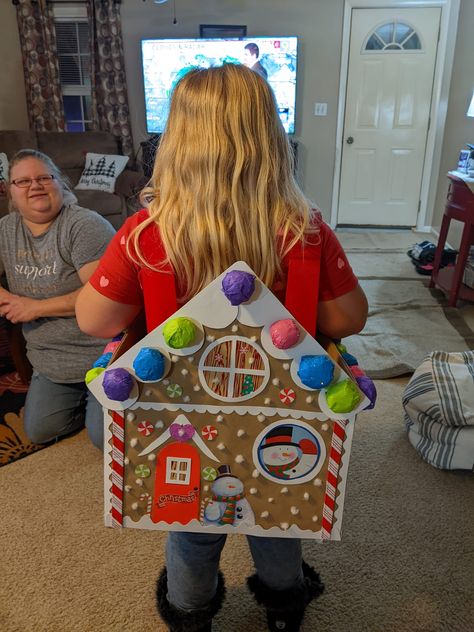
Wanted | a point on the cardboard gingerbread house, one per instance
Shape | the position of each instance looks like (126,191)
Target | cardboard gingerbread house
(228,417)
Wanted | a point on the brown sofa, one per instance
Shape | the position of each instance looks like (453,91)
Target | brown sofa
(68,150)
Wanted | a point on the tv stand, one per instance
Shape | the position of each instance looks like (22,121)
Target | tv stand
(149,147)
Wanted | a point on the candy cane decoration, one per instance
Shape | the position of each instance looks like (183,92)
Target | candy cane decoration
(146,496)
(118,454)
(335,454)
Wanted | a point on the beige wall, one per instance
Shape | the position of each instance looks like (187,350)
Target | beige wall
(459,128)
(319,25)
(13,114)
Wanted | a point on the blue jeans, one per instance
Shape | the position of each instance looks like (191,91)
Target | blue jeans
(192,561)
(53,410)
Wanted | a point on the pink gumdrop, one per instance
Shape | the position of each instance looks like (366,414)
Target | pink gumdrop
(111,346)
(285,333)
(356,370)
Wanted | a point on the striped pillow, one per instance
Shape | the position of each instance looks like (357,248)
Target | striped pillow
(439,410)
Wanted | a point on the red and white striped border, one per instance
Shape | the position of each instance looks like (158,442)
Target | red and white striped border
(335,455)
(117,465)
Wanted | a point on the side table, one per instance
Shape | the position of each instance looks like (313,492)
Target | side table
(459,206)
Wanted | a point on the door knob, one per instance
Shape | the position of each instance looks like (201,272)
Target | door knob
(349,140)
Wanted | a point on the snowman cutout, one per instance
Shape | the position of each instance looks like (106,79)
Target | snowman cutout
(283,458)
(228,505)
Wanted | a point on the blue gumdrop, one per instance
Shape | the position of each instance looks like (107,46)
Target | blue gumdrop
(149,364)
(349,358)
(102,361)
(316,371)
(368,388)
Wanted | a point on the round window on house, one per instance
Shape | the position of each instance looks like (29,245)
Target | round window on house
(233,369)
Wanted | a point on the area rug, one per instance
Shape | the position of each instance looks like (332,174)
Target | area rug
(406,321)
(14,444)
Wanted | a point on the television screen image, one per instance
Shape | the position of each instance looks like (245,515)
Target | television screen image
(165,61)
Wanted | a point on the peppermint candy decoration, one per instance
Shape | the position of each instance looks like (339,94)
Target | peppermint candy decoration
(209,432)
(287,395)
(145,428)
(142,471)
(209,474)
(174,390)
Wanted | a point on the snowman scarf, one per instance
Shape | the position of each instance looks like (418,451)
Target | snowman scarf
(229,513)
(280,471)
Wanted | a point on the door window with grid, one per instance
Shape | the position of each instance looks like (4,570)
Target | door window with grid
(178,471)
(72,40)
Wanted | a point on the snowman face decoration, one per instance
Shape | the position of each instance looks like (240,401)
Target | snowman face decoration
(289,452)
(228,486)
(280,454)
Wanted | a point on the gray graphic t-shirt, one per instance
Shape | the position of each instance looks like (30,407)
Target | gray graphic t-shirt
(45,266)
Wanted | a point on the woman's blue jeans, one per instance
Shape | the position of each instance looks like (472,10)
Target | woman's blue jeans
(53,410)
(192,561)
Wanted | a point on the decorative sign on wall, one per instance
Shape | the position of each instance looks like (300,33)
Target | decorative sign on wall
(229,417)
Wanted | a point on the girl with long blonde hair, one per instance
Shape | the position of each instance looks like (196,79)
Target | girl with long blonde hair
(222,190)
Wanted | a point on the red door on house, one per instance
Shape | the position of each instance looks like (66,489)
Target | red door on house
(177,484)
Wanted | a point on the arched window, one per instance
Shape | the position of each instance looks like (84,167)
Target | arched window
(393,36)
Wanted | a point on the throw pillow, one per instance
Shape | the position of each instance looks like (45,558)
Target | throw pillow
(3,167)
(101,172)
(3,173)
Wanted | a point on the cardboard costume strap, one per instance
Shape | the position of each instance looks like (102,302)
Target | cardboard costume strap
(301,299)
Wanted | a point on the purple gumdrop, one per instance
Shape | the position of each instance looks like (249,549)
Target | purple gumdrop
(368,388)
(238,286)
(118,384)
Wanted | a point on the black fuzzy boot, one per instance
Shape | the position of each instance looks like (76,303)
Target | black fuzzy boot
(285,608)
(199,620)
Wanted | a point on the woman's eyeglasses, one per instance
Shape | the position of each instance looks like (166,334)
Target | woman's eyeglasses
(24,183)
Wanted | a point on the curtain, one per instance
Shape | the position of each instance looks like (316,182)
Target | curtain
(110,110)
(40,65)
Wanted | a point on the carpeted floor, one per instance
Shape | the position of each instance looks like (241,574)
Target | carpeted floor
(404,564)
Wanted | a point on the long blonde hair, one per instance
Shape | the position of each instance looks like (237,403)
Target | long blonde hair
(222,188)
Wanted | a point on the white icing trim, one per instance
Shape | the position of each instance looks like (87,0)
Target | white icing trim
(239,410)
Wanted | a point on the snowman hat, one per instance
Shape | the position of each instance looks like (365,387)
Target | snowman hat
(224,470)
(281,435)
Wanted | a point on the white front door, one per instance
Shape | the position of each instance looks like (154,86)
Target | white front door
(392,58)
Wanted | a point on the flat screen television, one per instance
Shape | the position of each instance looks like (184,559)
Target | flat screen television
(165,61)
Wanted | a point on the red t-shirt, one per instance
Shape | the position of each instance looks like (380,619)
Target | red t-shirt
(121,279)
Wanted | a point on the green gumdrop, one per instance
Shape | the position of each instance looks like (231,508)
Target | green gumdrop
(342,397)
(179,332)
(93,373)
(341,348)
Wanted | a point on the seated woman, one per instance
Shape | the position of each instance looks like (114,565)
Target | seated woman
(49,247)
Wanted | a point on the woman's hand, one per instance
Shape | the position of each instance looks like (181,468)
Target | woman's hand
(18,309)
